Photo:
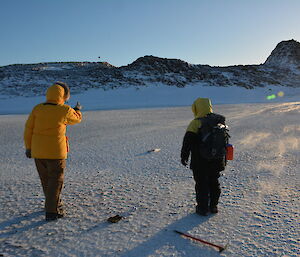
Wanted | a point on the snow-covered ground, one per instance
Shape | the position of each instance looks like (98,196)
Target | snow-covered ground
(109,173)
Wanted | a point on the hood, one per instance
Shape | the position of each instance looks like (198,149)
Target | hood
(55,94)
(201,107)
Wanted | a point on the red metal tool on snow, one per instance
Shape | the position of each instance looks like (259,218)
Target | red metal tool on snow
(220,248)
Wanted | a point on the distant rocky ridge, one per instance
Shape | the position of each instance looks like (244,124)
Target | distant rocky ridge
(282,67)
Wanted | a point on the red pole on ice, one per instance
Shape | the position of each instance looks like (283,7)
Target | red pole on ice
(220,248)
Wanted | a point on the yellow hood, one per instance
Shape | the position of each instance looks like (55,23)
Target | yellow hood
(201,107)
(55,94)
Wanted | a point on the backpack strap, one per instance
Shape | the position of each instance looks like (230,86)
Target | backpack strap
(202,127)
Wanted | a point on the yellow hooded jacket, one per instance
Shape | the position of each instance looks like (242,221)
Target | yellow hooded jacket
(201,107)
(45,128)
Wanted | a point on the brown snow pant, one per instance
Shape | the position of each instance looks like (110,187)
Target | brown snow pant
(51,174)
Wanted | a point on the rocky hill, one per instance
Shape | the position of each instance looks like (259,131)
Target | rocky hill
(282,67)
(286,54)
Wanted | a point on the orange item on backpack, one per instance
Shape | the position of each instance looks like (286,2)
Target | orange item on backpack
(229,152)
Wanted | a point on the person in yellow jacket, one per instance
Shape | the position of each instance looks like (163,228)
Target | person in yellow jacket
(205,172)
(46,142)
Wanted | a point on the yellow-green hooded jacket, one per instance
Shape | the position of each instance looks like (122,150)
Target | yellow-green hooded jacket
(201,107)
(190,145)
(45,128)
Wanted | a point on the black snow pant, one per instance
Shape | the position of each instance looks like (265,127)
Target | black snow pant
(207,187)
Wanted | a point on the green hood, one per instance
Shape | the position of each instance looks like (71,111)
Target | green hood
(201,107)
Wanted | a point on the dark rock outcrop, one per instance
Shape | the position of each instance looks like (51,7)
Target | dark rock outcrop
(282,67)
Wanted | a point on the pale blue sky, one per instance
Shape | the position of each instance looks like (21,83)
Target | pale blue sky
(214,32)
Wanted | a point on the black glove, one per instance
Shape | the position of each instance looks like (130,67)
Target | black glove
(28,153)
(184,162)
(77,107)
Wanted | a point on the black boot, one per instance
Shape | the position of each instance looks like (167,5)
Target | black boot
(201,211)
(53,216)
(213,209)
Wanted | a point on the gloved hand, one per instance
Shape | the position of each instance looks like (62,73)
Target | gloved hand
(78,107)
(28,153)
(184,162)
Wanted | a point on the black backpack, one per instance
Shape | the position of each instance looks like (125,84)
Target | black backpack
(213,137)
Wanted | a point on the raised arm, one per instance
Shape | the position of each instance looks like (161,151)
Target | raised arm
(73,116)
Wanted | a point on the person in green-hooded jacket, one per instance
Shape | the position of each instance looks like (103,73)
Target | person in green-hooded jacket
(205,172)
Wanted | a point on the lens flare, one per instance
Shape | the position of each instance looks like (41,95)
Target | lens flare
(273,96)
(280,94)
(270,97)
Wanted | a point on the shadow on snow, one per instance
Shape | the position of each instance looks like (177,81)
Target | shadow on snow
(14,225)
(168,238)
